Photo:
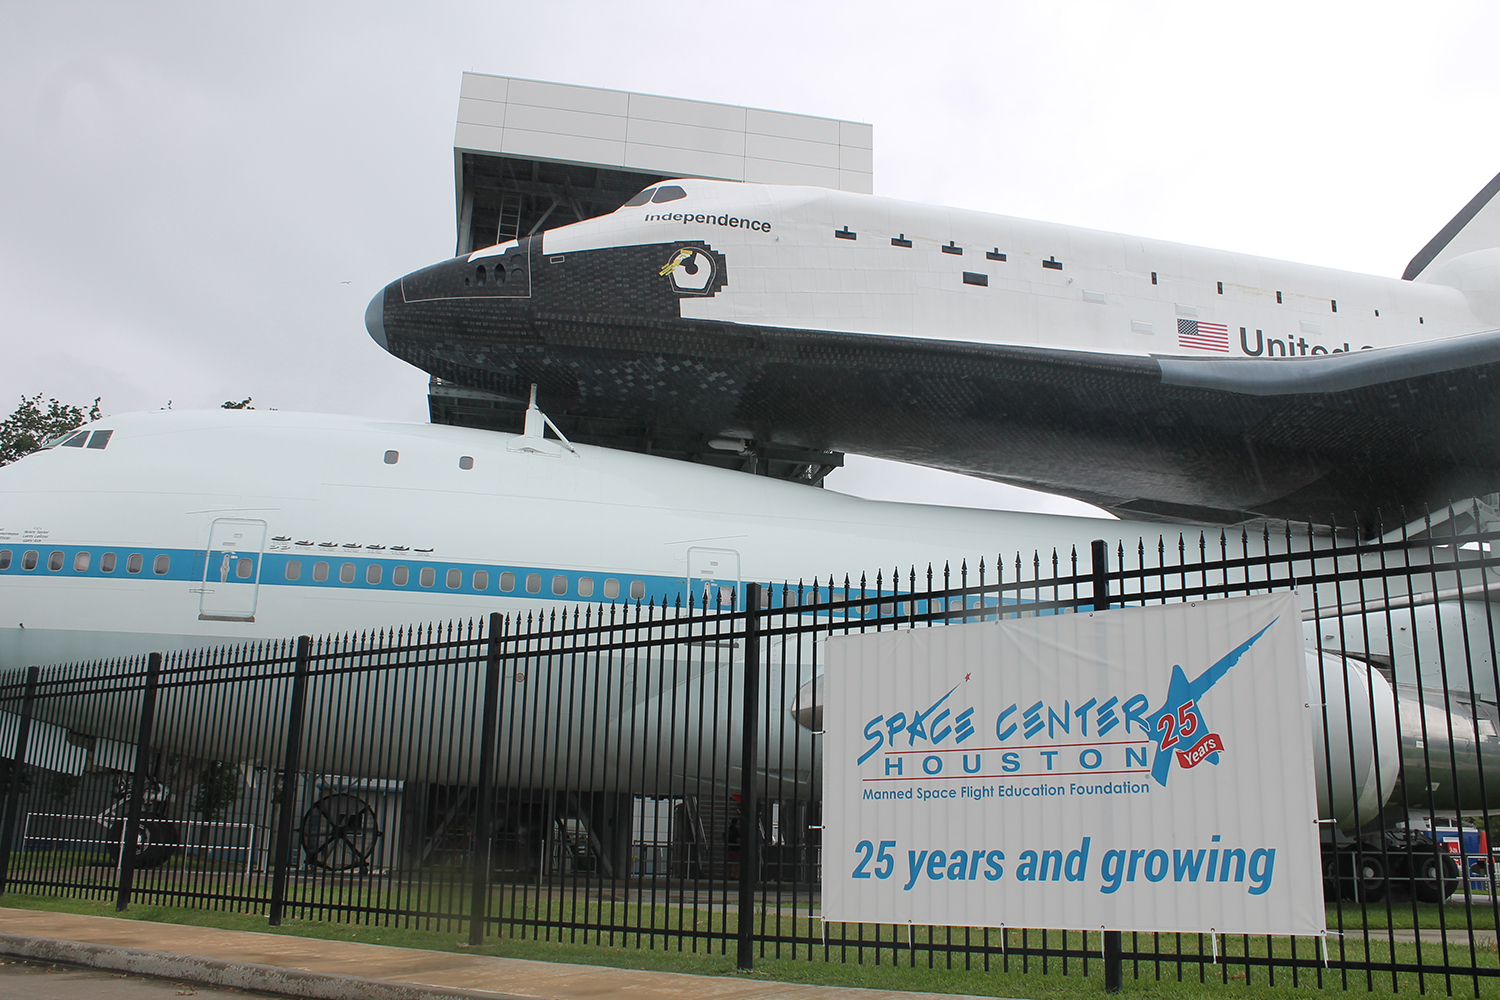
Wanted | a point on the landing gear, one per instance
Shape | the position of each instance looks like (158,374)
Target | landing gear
(340,833)
(1433,877)
(1367,873)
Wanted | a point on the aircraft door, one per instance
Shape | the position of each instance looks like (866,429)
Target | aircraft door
(231,570)
(714,574)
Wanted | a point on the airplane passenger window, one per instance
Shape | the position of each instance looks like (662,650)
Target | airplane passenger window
(55,561)
(243,567)
(293,569)
(640,199)
(559,585)
(455,579)
(372,574)
(668,192)
(481,580)
(161,564)
(28,560)
(507,581)
(466,462)
(611,588)
(320,572)
(81,562)
(392,457)
(346,573)
(4,558)
(400,575)
(427,577)
(100,440)
(637,590)
(106,563)
(585,586)
(134,562)
(533,583)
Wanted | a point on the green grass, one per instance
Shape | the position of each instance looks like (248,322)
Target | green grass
(665,953)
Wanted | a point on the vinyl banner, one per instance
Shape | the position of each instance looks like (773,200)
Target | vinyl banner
(1145,769)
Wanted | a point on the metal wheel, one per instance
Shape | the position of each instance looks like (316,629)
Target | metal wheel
(155,843)
(339,833)
(1433,877)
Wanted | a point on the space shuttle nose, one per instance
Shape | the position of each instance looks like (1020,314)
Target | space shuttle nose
(375,319)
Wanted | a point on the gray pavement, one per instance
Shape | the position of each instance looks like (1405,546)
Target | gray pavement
(48,981)
(344,970)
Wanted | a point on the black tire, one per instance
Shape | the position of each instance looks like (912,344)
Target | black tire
(1368,876)
(155,844)
(1434,877)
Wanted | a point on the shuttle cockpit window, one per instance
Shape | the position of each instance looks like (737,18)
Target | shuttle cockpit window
(640,199)
(668,192)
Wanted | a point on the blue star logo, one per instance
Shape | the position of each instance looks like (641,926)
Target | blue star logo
(1178,725)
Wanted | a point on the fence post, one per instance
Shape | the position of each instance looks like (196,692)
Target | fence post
(138,783)
(480,903)
(289,779)
(1113,971)
(18,762)
(749,825)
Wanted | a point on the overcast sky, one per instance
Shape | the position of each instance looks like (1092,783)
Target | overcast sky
(197,200)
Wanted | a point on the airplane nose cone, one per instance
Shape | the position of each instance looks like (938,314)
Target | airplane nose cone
(375,319)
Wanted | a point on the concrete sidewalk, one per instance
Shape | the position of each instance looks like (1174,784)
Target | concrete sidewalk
(343,970)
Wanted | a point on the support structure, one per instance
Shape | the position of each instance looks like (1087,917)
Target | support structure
(17,767)
(131,840)
(289,779)
(483,866)
(749,824)
(1113,970)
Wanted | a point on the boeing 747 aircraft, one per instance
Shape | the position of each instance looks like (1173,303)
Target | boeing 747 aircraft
(1157,380)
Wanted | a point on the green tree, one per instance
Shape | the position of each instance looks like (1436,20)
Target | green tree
(243,404)
(218,789)
(34,423)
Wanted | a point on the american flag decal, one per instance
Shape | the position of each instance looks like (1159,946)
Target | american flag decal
(1202,336)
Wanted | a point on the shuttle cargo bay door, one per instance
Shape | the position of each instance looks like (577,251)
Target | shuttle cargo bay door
(714,577)
(231,570)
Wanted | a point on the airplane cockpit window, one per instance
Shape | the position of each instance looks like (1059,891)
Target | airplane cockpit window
(134,562)
(100,440)
(107,563)
(75,441)
(161,564)
(640,199)
(668,192)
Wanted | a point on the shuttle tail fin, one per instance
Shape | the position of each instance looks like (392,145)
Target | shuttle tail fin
(1475,227)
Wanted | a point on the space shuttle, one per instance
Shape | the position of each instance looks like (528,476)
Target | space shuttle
(1156,380)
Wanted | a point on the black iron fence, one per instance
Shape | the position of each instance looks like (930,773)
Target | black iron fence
(647,776)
